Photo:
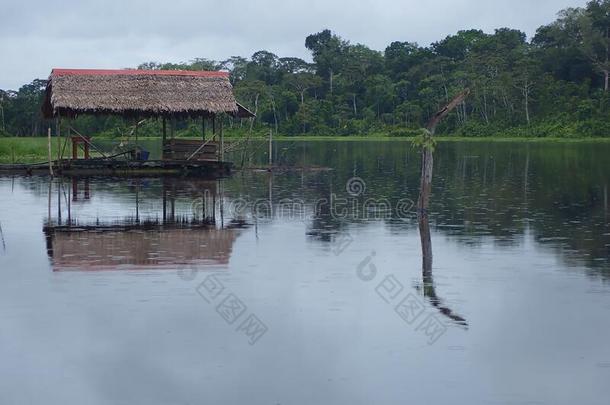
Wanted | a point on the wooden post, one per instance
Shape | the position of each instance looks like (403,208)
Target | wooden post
(203,127)
(270,147)
(49,145)
(222,144)
(58,135)
(74,149)
(163,141)
(136,134)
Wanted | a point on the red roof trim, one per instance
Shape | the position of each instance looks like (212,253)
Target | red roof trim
(104,72)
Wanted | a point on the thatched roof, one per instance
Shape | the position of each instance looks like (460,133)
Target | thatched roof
(139,93)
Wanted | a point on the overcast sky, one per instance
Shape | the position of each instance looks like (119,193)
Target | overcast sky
(37,35)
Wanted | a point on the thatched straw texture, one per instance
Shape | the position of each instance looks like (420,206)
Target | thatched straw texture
(138,93)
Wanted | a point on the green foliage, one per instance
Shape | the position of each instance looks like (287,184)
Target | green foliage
(551,86)
(424,140)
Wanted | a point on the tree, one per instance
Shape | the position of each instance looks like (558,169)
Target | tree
(595,26)
(237,67)
(524,72)
(327,50)
(302,82)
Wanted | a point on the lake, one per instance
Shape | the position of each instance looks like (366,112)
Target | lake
(306,286)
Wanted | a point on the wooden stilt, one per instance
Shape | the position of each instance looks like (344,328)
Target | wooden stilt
(203,128)
(136,134)
(58,135)
(270,147)
(49,145)
(164,139)
(222,144)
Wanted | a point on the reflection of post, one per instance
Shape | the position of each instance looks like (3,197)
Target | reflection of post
(49,202)
(164,196)
(58,204)
(87,193)
(137,201)
(426,244)
(172,202)
(203,207)
(270,184)
(69,205)
(606,199)
(428,281)
(74,189)
(222,197)
(526,176)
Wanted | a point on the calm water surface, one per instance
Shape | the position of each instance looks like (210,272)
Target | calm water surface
(291,288)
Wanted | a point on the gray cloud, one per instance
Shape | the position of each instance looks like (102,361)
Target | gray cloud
(38,35)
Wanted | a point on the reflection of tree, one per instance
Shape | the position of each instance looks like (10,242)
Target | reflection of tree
(2,239)
(428,281)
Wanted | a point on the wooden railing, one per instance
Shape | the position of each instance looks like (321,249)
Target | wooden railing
(190,149)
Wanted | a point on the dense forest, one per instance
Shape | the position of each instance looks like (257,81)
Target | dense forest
(555,84)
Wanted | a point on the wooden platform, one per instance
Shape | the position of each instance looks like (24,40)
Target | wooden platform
(201,168)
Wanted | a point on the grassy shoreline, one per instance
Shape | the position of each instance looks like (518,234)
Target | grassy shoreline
(34,149)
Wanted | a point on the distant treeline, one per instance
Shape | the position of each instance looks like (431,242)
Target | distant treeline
(555,84)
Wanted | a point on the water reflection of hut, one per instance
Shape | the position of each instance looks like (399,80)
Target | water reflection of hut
(170,239)
(135,247)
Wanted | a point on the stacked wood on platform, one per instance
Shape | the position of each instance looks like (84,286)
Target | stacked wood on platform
(183,149)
